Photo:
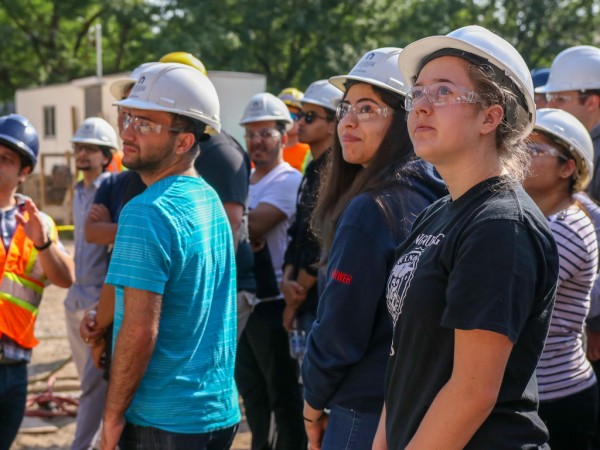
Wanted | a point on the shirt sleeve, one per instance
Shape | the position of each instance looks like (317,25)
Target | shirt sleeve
(492,285)
(141,255)
(278,192)
(348,311)
(226,168)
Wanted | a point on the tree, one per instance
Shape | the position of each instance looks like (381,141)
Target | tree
(50,41)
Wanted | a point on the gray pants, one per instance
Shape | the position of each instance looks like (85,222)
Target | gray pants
(93,386)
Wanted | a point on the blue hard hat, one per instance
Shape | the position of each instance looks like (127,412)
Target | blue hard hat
(17,133)
(540,76)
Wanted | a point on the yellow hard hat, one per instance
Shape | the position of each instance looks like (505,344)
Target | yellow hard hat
(184,58)
(292,97)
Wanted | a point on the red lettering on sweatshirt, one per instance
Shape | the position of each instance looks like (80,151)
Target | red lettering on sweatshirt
(340,276)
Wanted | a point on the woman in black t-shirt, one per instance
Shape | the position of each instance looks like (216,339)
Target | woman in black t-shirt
(472,289)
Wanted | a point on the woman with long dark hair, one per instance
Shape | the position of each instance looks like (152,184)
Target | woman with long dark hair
(370,193)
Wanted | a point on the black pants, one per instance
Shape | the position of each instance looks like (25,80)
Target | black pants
(267,378)
(571,420)
(135,437)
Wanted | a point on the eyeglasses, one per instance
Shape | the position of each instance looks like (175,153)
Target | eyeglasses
(361,113)
(440,94)
(143,126)
(265,133)
(86,148)
(559,97)
(295,116)
(309,117)
(542,149)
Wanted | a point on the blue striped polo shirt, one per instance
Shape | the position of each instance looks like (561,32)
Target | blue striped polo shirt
(174,239)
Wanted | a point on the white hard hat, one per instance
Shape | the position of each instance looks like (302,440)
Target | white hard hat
(378,67)
(96,131)
(323,93)
(571,133)
(574,69)
(118,88)
(177,89)
(264,107)
(482,43)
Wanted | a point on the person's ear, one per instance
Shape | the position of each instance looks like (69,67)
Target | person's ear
(185,141)
(492,118)
(567,169)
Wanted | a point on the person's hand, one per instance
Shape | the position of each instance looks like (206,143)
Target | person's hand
(293,293)
(34,226)
(289,315)
(593,345)
(315,428)
(88,331)
(99,213)
(111,433)
(97,352)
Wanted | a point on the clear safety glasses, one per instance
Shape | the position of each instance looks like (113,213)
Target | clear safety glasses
(361,113)
(543,149)
(144,126)
(265,133)
(561,97)
(440,94)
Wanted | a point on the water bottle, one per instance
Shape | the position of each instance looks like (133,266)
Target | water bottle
(297,339)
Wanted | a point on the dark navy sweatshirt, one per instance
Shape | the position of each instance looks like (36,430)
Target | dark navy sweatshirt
(348,347)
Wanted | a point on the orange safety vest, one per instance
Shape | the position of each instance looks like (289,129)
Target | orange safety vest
(22,284)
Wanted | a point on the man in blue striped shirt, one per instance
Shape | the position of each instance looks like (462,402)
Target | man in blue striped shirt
(171,383)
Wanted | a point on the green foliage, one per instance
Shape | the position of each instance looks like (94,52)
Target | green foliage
(293,42)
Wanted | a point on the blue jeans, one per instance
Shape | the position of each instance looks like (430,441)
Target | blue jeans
(350,429)
(13,395)
(135,437)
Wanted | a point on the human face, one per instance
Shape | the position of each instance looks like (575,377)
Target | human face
(360,139)
(568,101)
(441,134)
(11,173)
(548,167)
(147,152)
(264,143)
(89,157)
(295,113)
(319,131)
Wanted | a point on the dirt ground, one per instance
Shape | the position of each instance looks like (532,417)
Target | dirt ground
(52,356)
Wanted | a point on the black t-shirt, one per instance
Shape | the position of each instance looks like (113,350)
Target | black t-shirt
(485,261)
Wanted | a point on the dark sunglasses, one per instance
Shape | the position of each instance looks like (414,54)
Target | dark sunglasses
(310,117)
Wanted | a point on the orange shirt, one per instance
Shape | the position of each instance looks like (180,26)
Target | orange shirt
(295,155)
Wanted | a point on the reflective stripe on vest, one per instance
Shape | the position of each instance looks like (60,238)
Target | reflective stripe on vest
(20,291)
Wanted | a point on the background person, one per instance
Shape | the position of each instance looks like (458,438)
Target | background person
(562,152)
(472,289)
(295,152)
(32,256)
(299,279)
(370,192)
(266,375)
(93,144)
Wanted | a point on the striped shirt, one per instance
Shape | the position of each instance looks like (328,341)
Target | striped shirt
(563,368)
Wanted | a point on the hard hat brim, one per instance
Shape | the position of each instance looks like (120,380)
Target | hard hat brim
(118,88)
(414,54)
(150,106)
(339,82)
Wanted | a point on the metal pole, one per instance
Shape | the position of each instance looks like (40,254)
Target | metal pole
(99,52)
